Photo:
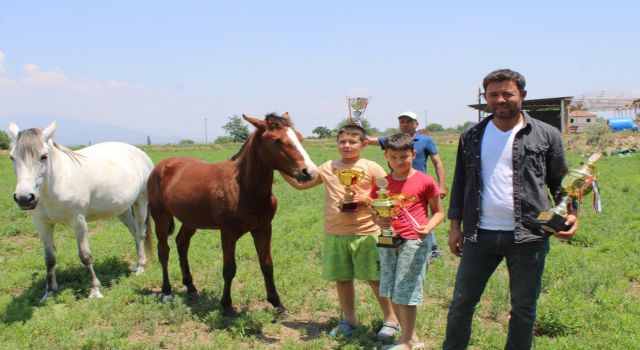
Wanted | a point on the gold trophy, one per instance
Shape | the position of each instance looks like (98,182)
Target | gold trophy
(359,105)
(575,184)
(349,178)
(382,206)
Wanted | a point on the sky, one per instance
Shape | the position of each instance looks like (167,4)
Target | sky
(164,67)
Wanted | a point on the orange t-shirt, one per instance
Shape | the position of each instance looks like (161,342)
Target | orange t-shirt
(358,222)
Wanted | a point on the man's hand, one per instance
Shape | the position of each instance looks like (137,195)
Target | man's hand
(456,239)
(572,222)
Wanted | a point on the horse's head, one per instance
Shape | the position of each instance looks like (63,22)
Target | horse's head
(281,147)
(31,163)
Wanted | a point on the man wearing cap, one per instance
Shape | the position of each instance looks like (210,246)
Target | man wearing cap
(424,147)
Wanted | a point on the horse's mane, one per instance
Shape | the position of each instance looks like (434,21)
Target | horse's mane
(29,140)
(269,117)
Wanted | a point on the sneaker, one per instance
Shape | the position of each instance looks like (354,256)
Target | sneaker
(388,332)
(435,252)
(342,329)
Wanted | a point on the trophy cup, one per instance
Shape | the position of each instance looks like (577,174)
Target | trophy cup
(349,178)
(382,206)
(575,184)
(359,105)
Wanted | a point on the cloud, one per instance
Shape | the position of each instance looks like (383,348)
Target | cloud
(2,56)
(35,76)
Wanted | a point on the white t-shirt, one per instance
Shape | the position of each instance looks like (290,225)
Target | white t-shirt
(496,204)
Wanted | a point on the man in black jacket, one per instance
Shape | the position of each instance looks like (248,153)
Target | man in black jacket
(506,167)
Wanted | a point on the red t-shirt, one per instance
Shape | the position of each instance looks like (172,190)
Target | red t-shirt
(412,200)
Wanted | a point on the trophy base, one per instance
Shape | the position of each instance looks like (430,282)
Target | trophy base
(348,206)
(552,222)
(389,241)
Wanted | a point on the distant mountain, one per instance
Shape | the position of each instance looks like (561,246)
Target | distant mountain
(72,132)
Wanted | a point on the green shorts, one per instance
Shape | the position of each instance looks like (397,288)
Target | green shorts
(347,258)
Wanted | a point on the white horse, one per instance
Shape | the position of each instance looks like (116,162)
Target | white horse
(62,186)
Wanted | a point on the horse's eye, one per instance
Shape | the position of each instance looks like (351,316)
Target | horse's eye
(44,157)
(278,142)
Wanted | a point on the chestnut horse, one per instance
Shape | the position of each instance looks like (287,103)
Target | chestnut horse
(234,196)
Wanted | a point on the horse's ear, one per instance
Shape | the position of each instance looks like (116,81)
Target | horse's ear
(13,130)
(47,132)
(286,116)
(260,124)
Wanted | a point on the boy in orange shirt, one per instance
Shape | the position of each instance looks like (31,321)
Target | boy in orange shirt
(350,250)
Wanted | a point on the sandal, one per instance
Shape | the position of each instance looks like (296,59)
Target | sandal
(342,329)
(388,332)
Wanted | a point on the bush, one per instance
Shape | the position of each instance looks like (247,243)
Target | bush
(223,139)
(186,142)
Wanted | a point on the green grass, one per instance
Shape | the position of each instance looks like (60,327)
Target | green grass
(590,297)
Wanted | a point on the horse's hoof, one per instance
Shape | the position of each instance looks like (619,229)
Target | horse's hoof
(230,312)
(46,296)
(95,294)
(139,270)
(166,298)
(281,311)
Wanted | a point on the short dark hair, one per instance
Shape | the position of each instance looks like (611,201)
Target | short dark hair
(504,75)
(352,129)
(399,142)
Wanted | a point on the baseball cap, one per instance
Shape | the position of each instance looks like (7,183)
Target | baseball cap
(409,114)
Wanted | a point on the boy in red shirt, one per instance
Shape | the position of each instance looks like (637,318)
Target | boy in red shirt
(402,269)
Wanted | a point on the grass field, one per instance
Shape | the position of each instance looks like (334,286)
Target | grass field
(590,297)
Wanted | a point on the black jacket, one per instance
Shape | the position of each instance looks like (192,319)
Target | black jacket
(539,165)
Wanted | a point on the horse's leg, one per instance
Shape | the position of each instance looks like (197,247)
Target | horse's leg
(45,231)
(182,242)
(164,226)
(143,244)
(82,239)
(131,221)
(229,239)
(262,241)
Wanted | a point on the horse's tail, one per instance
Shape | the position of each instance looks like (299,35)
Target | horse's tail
(148,240)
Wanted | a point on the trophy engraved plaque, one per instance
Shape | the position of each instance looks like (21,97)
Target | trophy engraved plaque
(382,206)
(577,183)
(349,178)
(358,105)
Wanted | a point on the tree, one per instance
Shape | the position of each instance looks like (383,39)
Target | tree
(390,131)
(579,106)
(435,127)
(236,129)
(465,126)
(323,132)
(148,140)
(186,142)
(5,141)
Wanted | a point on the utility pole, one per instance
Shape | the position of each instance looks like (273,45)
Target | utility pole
(206,139)
(479,102)
(425,118)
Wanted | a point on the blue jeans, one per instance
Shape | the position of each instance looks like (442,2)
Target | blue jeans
(525,262)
